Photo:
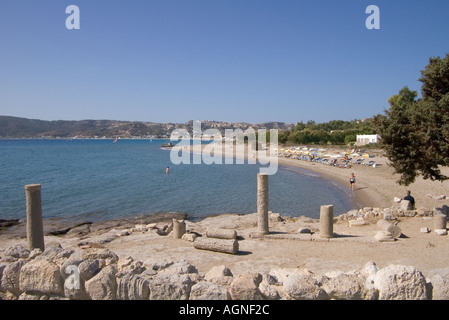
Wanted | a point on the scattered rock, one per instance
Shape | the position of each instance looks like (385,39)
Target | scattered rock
(384,236)
(357,223)
(18,252)
(441,232)
(6,223)
(179,267)
(304,230)
(189,237)
(157,264)
(276,217)
(424,212)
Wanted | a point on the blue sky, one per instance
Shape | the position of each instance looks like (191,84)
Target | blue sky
(228,60)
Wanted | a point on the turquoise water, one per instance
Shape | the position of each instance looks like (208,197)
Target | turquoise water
(105,180)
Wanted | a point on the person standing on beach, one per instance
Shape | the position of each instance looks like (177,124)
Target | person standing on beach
(351,182)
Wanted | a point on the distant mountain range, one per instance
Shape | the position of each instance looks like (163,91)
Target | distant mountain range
(15,127)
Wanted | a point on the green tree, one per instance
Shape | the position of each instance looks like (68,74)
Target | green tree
(415,133)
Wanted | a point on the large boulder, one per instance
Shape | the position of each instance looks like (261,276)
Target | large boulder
(439,279)
(302,286)
(220,275)
(246,287)
(43,276)
(270,287)
(103,286)
(396,282)
(170,287)
(347,286)
(11,277)
(205,290)
(89,268)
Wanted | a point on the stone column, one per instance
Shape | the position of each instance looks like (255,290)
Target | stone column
(439,221)
(35,228)
(262,203)
(179,228)
(327,221)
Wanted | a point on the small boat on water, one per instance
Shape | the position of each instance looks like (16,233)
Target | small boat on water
(167,145)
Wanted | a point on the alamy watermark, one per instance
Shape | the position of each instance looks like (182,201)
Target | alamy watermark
(236,145)
(72,22)
(72,282)
(373,20)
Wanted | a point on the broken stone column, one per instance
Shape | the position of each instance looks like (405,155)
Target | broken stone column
(221,233)
(35,228)
(218,245)
(179,228)
(262,203)
(393,229)
(327,221)
(439,221)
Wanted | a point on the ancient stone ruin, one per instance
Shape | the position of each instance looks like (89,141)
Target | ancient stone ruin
(99,274)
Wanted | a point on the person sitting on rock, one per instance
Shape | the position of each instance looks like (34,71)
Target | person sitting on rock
(411,199)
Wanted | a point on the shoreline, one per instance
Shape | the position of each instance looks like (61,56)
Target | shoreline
(362,195)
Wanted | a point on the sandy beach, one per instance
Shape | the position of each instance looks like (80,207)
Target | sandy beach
(351,248)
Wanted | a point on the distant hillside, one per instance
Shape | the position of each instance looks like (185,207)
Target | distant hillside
(14,127)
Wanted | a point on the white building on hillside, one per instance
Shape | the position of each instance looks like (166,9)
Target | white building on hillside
(363,139)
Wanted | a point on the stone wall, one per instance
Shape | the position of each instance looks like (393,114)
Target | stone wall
(98,274)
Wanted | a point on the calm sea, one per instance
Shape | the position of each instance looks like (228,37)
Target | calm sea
(99,179)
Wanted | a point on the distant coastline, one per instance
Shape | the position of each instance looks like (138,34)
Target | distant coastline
(24,128)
